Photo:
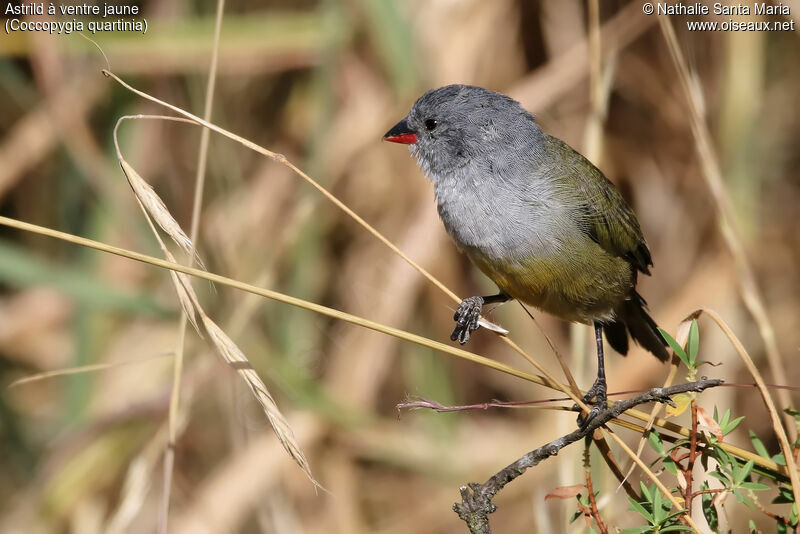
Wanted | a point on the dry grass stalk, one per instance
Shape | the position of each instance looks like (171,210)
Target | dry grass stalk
(80,369)
(202,159)
(546,84)
(712,173)
(154,208)
(780,433)
(280,297)
(231,353)
(681,337)
(137,480)
(372,325)
(282,160)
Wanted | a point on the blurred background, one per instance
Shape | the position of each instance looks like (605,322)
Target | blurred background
(320,82)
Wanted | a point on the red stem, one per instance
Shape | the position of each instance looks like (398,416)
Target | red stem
(595,512)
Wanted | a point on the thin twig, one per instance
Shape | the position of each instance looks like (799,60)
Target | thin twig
(681,337)
(199,186)
(274,295)
(82,369)
(766,512)
(366,323)
(476,499)
(611,461)
(593,504)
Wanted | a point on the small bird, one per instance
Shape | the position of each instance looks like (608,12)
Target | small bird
(539,219)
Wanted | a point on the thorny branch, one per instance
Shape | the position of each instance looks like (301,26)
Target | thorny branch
(593,510)
(476,499)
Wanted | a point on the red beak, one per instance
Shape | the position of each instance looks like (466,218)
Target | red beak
(401,133)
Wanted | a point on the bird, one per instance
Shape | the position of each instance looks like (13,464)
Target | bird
(535,216)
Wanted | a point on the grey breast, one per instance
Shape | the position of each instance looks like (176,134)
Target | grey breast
(502,217)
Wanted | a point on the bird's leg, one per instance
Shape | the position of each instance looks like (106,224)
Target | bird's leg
(468,313)
(598,391)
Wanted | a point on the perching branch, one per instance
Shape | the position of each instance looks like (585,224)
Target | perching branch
(476,499)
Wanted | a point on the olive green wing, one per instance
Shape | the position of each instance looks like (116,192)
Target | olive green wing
(606,217)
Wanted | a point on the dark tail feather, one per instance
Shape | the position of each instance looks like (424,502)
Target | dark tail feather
(617,336)
(644,331)
(643,328)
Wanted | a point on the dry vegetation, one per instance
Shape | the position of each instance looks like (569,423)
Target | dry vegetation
(320,82)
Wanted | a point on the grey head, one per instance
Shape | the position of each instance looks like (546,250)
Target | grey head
(486,158)
(458,125)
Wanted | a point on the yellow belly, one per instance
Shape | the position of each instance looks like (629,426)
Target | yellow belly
(583,286)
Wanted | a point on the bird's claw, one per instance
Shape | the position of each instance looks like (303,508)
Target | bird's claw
(594,411)
(466,318)
(597,399)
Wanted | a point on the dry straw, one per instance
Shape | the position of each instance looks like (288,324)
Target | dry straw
(154,210)
(550,379)
(199,187)
(280,158)
(712,173)
(372,325)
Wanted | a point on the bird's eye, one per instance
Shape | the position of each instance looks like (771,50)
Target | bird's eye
(431,124)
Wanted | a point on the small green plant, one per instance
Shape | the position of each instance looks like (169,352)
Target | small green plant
(657,511)
(725,475)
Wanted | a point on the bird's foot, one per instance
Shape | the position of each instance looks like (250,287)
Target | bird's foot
(597,399)
(466,318)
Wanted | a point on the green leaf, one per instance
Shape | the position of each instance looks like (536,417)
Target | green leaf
(722,456)
(659,514)
(673,515)
(655,441)
(725,418)
(675,346)
(641,510)
(734,465)
(755,486)
(575,516)
(646,492)
(709,510)
(785,495)
(794,413)
(758,445)
(704,456)
(676,528)
(636,530)
(728,428)
(669,465)
(693,343)
(779,459)
(743,473)
(719,476)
